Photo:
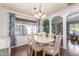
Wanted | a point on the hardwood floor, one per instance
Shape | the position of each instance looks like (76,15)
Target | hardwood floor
(72,50)
(19,51)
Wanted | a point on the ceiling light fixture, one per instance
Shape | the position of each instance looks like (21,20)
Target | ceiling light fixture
(38,13)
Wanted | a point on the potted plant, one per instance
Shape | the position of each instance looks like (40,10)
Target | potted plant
(46,26)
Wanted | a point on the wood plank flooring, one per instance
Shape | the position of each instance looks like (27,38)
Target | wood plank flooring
(72,50)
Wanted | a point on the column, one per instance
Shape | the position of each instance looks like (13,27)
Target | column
(50,27)
(41,25)
(64,33)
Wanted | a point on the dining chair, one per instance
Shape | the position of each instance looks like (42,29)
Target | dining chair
(78,39)
(55,49)
(30,43)
(36,47)
(44,34)
(52,37)
(33,45)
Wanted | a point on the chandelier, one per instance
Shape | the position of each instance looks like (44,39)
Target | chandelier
(38,13)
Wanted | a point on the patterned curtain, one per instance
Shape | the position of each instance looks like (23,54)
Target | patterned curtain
(12,19)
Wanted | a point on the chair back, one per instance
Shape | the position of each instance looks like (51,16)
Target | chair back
(58,41)
(52,35)
(31,39)
(78,38)
(44,34)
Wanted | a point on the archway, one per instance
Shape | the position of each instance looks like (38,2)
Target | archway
(73,33)
(57,25)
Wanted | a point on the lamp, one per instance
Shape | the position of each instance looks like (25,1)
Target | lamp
(39,14)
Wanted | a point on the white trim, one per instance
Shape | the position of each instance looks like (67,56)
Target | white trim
(64,33)
(50,27)
(19,14)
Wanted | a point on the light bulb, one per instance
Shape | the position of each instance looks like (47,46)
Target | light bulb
(38,17)
(44,15)
(40,14)
(35,16)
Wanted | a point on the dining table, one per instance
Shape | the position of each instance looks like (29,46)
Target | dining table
(43,39)
(43,42)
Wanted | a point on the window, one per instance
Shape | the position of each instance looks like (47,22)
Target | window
(74,29)
(24,27)
(31,27)
(20,29)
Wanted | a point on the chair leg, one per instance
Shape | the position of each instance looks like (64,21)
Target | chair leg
(35,53)
(31,52)
(28,51)
(54,54)
(59,53)
(43,53)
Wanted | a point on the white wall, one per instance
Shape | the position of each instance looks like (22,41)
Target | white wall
(0,23)
(4,38)
(3,24)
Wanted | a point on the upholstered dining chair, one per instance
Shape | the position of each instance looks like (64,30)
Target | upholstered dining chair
(53,38)
(55,49)
(28,41)
(33,45)
(37,46)
(44,34)
(78,40)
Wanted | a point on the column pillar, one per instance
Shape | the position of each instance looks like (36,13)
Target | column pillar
(50,27)
(41,25)
(64,33)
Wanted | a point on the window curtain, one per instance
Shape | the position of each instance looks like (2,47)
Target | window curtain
(12,19)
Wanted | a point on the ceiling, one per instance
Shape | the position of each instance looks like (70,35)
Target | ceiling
(28,8)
